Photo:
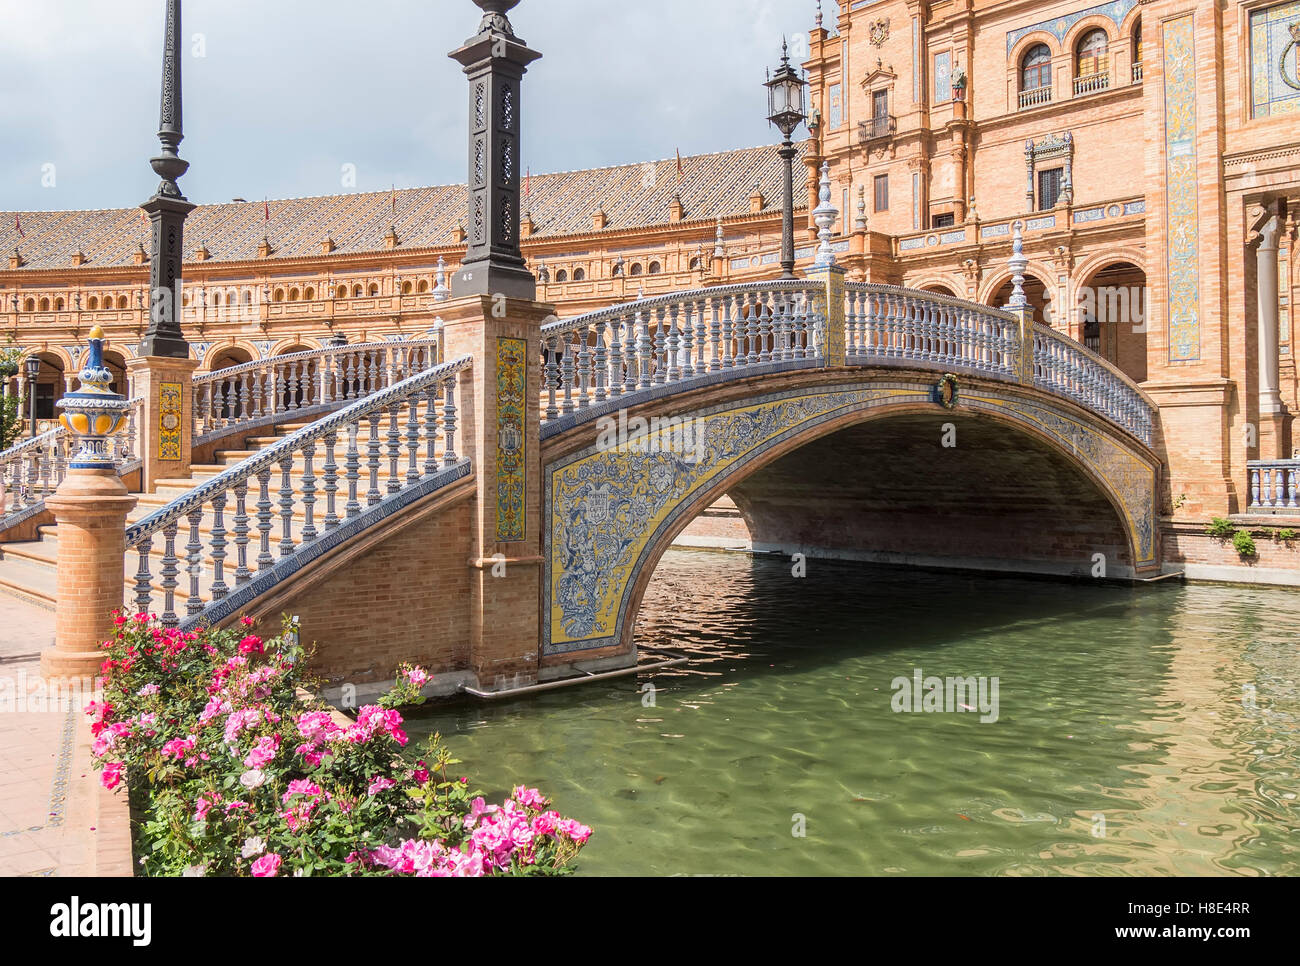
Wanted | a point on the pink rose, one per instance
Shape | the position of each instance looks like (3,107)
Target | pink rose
(112,775)
(267,866)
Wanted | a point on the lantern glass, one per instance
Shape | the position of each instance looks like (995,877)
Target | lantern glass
(33,368)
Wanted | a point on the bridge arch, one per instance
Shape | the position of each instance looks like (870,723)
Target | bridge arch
(610,515)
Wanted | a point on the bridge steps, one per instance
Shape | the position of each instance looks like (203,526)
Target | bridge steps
(29,568)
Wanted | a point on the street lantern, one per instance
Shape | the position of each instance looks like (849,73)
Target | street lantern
(786,110)
(33,365)
(785,96)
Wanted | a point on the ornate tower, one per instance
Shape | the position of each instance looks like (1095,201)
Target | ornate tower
(495,61)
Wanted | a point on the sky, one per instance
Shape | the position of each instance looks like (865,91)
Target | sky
(280,95)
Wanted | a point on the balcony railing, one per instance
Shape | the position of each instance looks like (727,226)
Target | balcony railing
(1137,72)
(1091,83)
(1035,96)
(1274,484)
(877,127)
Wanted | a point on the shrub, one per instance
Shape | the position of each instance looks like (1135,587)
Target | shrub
(1243,544)
(1220,527)
(236,776)
(1287,533)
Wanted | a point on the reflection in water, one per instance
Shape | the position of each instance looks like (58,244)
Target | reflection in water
(1122,743)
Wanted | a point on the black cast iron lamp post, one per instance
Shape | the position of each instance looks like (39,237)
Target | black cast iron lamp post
(33,365)
(786,109)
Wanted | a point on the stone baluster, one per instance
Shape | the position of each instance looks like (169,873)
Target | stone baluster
(242,573)
(616,374)
(170,574)
(194,561)
(373,495)
(394,483)
(584,367)
(567,371)
(352,472)
(286,505)
(309,531)
(331,480)
(449,422)
(264,506)
(672,344)
(143,578)
(552,375)
(601,362)
(413,440)
(217,541)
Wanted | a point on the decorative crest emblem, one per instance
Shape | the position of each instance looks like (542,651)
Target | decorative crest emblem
(1293,79)
(879,32)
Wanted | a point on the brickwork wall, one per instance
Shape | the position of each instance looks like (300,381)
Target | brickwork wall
(403,599)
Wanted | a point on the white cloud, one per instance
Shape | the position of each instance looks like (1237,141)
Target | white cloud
(289,92)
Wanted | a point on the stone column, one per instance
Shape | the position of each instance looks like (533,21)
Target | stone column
(1271,410)
(90,509)
(500,419)
(167,422)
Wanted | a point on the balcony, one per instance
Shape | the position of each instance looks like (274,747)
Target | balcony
(877,127)
(1137,72)
(1091,83)
(1035,96)
(1274,485)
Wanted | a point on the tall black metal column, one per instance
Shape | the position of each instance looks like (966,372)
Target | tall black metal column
(495,61)
(168,208)
(787,154)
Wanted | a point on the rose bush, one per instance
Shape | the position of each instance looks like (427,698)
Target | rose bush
(237,776)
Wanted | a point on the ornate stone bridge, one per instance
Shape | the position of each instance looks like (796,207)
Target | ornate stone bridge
(493,509)
(498,511)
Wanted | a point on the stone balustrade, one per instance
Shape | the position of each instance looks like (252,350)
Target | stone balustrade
(302,383)
(1274,484)
(1066,368)
(734,329)
(885,325)
(392,447)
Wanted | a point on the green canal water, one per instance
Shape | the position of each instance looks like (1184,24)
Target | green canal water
(1148,731)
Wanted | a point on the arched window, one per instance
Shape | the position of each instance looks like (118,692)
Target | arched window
(248,297)
(406,288)
(1091,56)
(617,270)
(121,301)
(342,292)
(92,303)
(58,305)
(1137,43)
(636,269)
(423,286)
(45,305)
(562,275)
(29,305)
(655,268)
(309,294)
(278,296)
(696,264)
(356,291)
(1036,68)
(579,274)
(374,288)
(293,295)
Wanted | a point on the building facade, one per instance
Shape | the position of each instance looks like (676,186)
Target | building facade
(1150,151)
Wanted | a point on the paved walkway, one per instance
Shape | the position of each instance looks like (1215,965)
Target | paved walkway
(55,820)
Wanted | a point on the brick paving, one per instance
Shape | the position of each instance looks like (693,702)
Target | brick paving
(55,820)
